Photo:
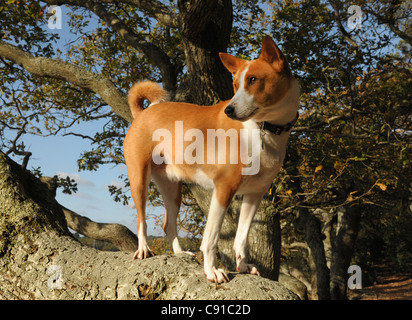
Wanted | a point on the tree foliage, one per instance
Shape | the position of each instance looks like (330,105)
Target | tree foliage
(353,146)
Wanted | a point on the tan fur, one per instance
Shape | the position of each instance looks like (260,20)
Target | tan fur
(145,90)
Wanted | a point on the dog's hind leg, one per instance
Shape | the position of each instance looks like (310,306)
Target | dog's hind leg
(139,177)
(171,192)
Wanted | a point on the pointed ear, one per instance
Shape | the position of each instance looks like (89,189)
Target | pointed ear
(231,63)
(272,54)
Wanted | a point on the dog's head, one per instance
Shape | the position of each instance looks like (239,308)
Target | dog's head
(259,84)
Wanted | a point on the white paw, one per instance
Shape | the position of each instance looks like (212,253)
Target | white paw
(185,252)
(216,275)
(189,253)
(143,253)
(243,267)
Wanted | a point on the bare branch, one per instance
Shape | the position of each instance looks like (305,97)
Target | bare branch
(389,18)
(46,67)
(120,236)
(15,149)
(79,135)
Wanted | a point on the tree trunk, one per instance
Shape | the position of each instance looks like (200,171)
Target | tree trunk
(311,227)
(343,246)
(263,242)
(205,28)
(39,259)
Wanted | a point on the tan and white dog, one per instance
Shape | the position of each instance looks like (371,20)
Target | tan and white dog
(173,142)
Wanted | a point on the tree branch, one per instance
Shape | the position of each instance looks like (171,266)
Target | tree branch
(153,52)
(154,9)
(15,150)
(405,36)
(336,17)
(195,15)
(46,67)
(80,135)
(389,19)
(120,236)
(320,124)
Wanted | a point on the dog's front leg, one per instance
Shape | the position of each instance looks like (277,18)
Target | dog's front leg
(210,238)
(249,206)
(143,250)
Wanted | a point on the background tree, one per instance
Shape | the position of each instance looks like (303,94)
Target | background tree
(351,153)
(348,158)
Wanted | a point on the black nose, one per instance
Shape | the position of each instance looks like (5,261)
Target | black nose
(230,110)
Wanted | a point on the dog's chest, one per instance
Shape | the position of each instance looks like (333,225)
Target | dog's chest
(271,155)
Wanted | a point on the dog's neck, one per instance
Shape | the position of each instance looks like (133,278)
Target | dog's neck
(278,129)
(284,114)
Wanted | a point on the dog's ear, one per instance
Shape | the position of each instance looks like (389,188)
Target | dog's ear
(272,54)
(231,63)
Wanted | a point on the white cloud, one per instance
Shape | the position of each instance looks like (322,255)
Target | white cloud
(117,183)
(83,195)
(76,177)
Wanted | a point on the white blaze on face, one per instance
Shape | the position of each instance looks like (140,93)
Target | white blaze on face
(242,101)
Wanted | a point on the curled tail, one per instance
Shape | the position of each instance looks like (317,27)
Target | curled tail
(145,90)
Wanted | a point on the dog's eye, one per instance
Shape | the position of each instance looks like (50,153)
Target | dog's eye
(252,80)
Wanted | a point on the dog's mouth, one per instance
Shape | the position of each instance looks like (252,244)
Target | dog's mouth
(248,117)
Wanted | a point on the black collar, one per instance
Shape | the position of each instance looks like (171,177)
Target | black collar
(278,130)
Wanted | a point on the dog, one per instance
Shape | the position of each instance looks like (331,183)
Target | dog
(265,102)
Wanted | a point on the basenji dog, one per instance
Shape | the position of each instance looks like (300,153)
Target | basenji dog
(167,142)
